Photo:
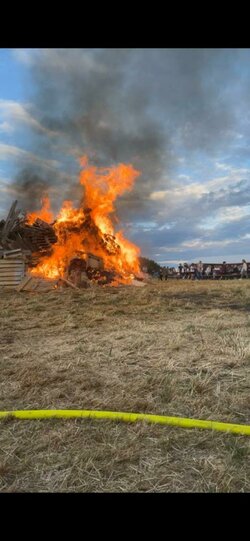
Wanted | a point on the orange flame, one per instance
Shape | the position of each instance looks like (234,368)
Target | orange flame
(44,213)
(90,228)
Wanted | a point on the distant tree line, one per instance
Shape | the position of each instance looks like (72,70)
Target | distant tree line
(149,265)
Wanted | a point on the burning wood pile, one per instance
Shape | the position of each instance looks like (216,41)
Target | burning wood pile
(17,234)
(23,246)
(78,246)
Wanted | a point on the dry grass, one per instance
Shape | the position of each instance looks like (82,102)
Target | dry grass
(169,348)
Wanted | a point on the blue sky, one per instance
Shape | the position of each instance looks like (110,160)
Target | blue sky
(12,85)
(181,116)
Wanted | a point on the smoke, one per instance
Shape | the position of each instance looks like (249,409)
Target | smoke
(139,106)
(30,187)
(94,101)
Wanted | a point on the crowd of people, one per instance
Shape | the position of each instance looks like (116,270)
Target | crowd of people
(201,271)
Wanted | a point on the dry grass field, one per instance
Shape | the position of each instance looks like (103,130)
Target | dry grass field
(172,348)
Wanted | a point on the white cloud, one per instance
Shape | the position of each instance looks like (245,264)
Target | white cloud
(225,215)
(168,262)
(184,177)
(222,166)
(179,197)
(14,113)
(25,56)
(158,196)
(201,245)
(178,194)
(172,249)
(13,152)
(232,214)
(59,59)
(5,127)
(6,190)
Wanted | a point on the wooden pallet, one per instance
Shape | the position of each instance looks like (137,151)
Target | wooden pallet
(34,283)
(11,272)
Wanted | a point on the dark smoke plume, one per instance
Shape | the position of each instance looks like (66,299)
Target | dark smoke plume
(123,105)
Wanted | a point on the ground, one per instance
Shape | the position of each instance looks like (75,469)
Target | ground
(172,348)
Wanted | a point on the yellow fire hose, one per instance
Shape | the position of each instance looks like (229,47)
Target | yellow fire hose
(128,417)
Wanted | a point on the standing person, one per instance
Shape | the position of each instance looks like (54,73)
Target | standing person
(192,271)
(216,272)
(208,271)
(223,268)
(243,272)
(185,270)
(200,270)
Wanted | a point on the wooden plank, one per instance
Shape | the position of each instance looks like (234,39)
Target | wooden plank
(10,222)
(70,284)
(9,265)
(9,279)
(8,286)
(12,267)
(45,287)
(11,262)
(4,262)
(9,253)
(15,250)
(45,290)
(11,274)
(38,284)
(14,257)
(24,283)
(10,216)
(47,283)
(19,256)
(11,270)
(30,286)
(14,270)
(14,284)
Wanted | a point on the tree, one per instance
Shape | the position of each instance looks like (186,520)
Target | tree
(150,265)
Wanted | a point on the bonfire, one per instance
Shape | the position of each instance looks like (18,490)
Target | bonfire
(88,231)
